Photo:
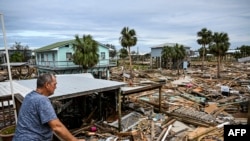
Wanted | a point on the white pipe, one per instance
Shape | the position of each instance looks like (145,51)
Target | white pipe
(165,135)
(8,63)
(222,124)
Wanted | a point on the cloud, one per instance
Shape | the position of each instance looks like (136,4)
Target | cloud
(43,22)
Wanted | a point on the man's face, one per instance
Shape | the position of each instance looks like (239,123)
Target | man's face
(51,86)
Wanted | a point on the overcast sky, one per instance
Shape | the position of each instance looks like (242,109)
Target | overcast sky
(38,23)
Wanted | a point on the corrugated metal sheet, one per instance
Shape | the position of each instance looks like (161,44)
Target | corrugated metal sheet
(17,64)
(72,85)
(17,88)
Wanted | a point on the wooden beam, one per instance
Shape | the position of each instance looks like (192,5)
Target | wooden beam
(248,114)
(119,111)
(160,99)
(146,88)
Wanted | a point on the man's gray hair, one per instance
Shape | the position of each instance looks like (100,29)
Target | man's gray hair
(43,79)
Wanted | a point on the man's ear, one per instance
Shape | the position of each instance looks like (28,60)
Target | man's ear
(46,85)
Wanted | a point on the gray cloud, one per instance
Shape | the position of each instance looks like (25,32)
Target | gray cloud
(42,22)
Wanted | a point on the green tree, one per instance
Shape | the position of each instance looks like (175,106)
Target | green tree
(85,52)
(200,50)
(237,55)
(167,54)
(179,54)
(17,57)
(123,53)
(128,39)
(219,47)
(112,50)
(21,50)
(245,50)
(204,38)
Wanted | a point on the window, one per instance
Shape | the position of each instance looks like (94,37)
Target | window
(102,55)
(42,57)
(38,57)
(53,56)
(69,56)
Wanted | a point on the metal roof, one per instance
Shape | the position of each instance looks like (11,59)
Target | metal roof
(15,64)
(60,44)
(17,88)
(70,85)
(168,44)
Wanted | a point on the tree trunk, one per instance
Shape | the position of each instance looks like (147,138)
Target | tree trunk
(203,58)
(130,62)
(178,67)
(218,66)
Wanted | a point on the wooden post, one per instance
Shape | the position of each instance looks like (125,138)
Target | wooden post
(100,104)
(160,99)
(152,129)
(119,111)
(248,114)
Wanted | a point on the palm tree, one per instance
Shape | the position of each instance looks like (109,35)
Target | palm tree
(179,53)
(200,50)
(85,52)
(219,47)
(245,50)
(127,40)
(167,53)
(204,39)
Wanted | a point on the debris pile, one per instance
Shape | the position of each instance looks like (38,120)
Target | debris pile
(191,106)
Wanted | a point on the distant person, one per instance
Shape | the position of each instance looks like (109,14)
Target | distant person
(37,119)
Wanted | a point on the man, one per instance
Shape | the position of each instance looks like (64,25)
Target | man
(37,119)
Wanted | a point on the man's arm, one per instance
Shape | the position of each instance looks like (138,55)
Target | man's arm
(58,127)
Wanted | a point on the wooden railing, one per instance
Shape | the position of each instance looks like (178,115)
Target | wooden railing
(58,64)
(7,116)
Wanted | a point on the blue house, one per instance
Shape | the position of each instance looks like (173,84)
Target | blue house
(58,58)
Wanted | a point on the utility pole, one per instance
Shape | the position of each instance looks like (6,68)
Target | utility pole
(8,64)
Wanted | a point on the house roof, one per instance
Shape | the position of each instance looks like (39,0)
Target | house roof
(17,88)
(54,45)
(59,44)
(68,86)
(167,44)
(233,51)
(15,64)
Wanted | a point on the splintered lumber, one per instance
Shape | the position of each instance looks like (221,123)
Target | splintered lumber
(105,129)
(174,134)
(78,131)
(168,123)
(152,103)
(130,133)
(165,135)
(152,130)
(211,108)
(161,134)
(192,121)
(88,119)
(219,110)
(202,130)
(224,100)
(199,93)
